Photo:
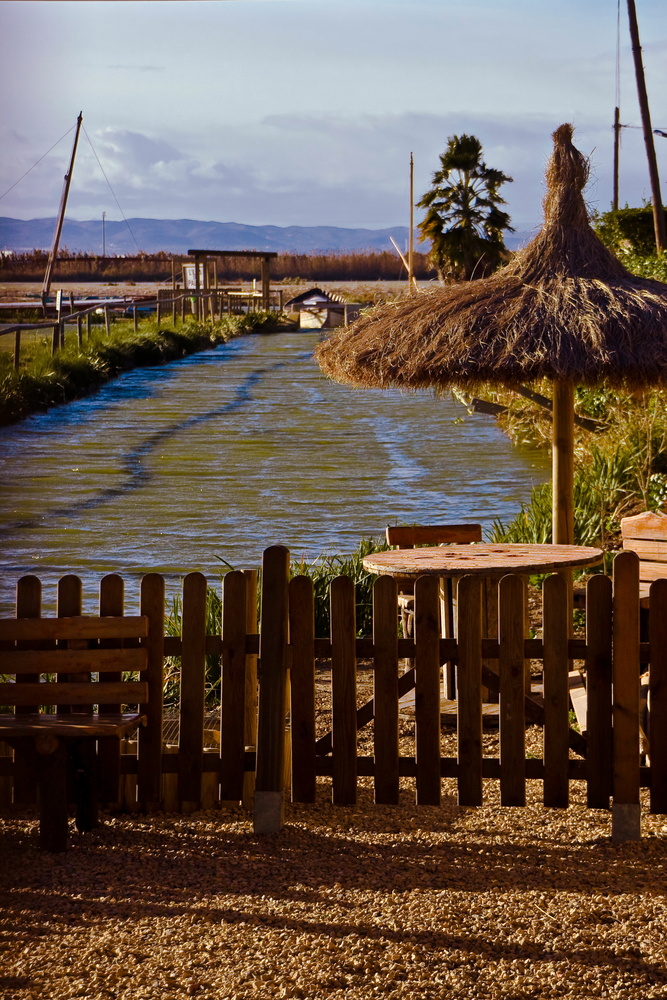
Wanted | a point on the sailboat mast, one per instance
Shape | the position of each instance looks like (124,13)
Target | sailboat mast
(658,211)
(411,237)
(61,213)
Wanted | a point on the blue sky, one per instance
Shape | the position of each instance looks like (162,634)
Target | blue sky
(304,112)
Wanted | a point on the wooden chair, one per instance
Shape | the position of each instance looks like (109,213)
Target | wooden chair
(409,536)
(59,708)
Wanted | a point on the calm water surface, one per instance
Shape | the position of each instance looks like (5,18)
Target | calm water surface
(218,455)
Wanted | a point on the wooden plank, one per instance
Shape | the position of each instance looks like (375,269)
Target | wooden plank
(427,690)
(71,661)
(232,697)
(649,571)
(193,691)
(112,602)
(648,549)
(599,691)
(116,724)
(251,690)
(385,690)
(556,622)
(649,524)
(512,691)
(74,627)
(626,678)
(408,535)
(302,638)
(469,690)
(343,695)
(273,683)
(658,696)
(73,693)
(28,606)
(150,736)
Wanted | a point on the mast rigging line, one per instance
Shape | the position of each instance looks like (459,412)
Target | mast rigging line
(113,193)
(38,161)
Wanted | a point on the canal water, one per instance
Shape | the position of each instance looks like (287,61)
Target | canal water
(204,462)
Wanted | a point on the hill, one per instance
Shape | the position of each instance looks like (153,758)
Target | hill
(180,235)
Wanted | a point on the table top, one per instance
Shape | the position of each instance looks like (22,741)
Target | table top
(482,559)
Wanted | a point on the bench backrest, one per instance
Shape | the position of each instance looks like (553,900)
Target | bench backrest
(52,660)
(646,534)
(407,536)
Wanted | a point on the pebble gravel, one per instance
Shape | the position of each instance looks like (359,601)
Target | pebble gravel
(361,902)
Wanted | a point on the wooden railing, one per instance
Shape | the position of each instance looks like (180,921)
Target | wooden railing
(247,746)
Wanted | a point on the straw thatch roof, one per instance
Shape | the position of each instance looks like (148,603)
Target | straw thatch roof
(564,308)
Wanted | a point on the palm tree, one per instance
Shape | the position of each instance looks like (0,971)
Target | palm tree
(463,221)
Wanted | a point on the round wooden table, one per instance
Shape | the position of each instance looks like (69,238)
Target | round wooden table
(481,559)
(488,560)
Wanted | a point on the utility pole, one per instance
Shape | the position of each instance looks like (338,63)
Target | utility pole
(104,234)
(411,237)
(61,214)
(658,210)
(617,143)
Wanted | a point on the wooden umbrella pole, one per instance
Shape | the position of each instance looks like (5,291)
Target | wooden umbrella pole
(563,463)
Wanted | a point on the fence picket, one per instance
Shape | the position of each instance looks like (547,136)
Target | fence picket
(511,622)
(232,695)
(69,605)
(427,690)
(469,691)
(344,691)
(598,691)
(251,692)
(658,695)
(302,677)
(111,603)
(149,767)
(385,689)
(193,689)
(626,678)
(269,789)
(556,619)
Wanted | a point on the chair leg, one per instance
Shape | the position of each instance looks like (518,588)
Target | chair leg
(52,771)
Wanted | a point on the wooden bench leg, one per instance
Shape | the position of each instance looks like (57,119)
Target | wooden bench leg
(84,767)
(52,774)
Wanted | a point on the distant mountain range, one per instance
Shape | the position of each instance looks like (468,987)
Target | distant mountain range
(180,235)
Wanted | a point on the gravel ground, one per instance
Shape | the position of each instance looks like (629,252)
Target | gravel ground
(371,901)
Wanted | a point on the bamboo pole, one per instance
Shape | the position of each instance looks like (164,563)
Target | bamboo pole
(563,463)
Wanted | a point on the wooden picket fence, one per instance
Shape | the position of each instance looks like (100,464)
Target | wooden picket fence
(244,758)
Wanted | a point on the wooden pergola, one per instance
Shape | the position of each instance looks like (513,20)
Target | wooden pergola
(264,256)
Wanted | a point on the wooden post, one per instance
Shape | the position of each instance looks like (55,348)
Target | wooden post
(266,281)
(656,197)
(302,677)
(135,318)
(626,816)
(268,814)
(427,690)
(411,236)
(658,695)
(88,322)
(79,329)
(563,463)
(233,686)
(17,349)
(28,605)
(107,322)
(111,603)
(55,341)
(598,691)
(150,736)
(617,144)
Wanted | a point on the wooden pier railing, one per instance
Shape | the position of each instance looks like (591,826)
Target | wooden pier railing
(244,753)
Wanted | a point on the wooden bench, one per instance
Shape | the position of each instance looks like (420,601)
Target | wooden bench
(52,662)
(646,534)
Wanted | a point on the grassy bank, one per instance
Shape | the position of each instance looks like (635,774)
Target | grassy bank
(46,380)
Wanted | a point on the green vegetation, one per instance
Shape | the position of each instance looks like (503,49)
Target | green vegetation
(46,380)
(463,220)
(628,231)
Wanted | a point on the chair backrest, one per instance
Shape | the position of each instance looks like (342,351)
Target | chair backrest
(35,650)
(646,534)
(411,535)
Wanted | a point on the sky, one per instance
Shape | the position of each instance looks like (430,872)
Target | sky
(305,112)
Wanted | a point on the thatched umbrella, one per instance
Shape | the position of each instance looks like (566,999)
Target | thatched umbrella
(564,308)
